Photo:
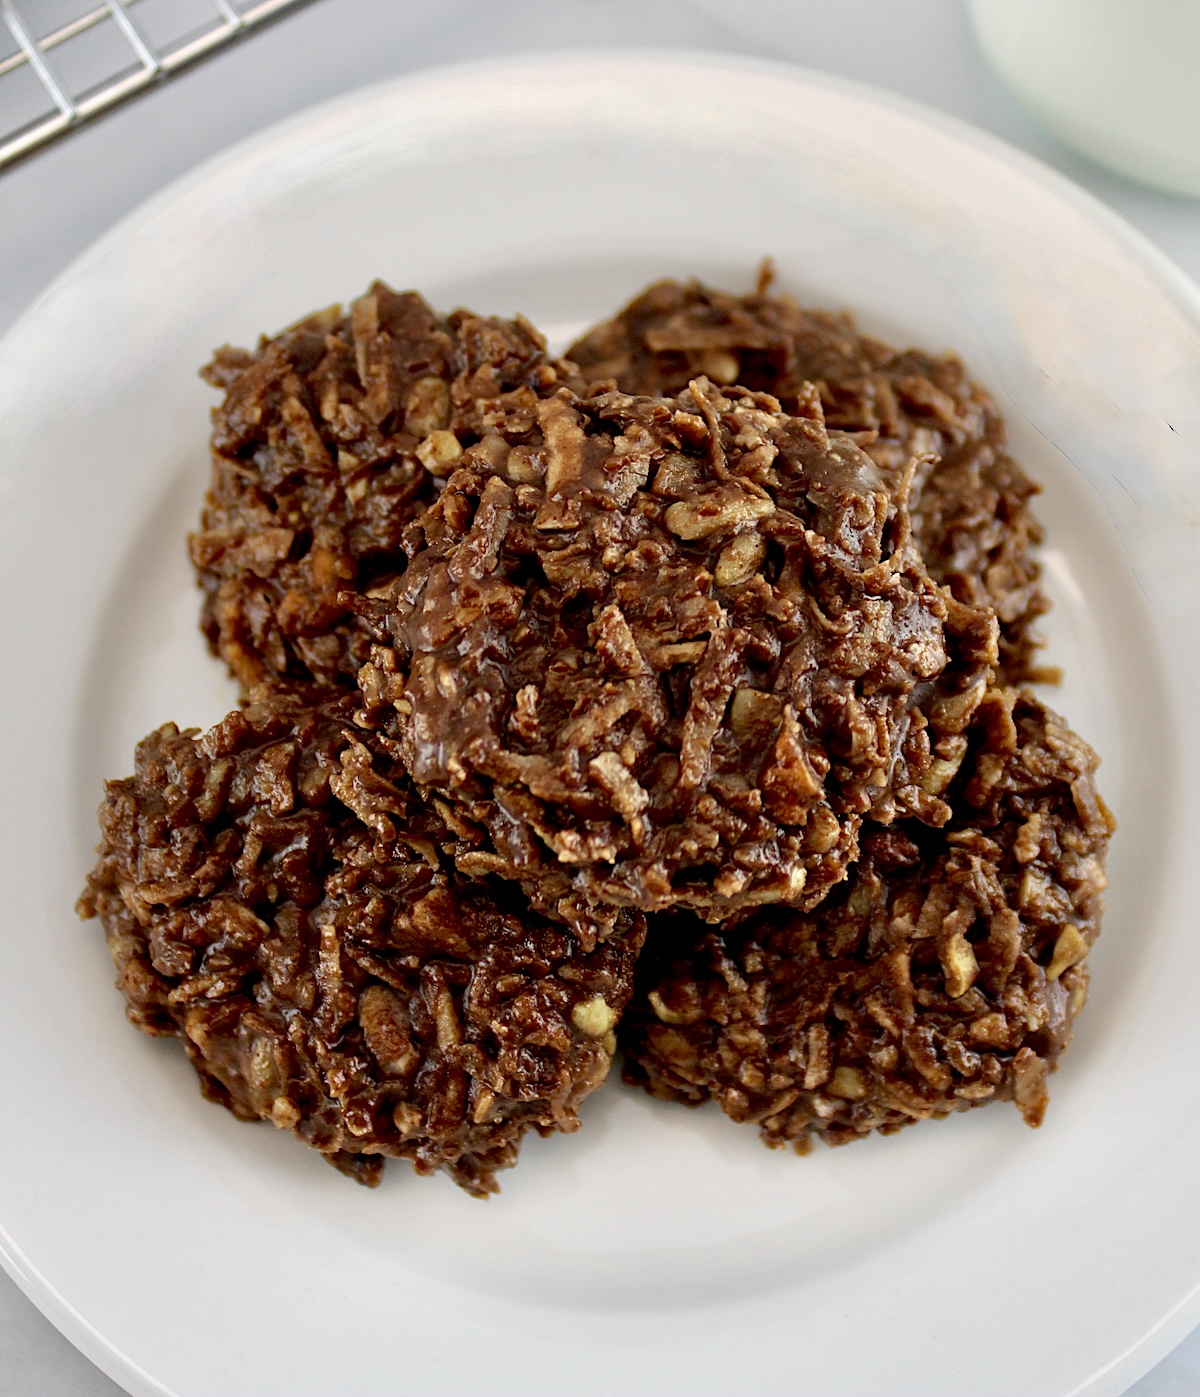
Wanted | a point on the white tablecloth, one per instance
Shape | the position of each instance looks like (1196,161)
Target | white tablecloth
(55,204)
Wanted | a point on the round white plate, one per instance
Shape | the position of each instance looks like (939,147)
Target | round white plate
(659,1250)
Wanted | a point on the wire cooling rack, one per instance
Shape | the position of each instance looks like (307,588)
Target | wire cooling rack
(63,61)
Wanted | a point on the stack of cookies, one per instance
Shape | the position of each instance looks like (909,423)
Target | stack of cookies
(664,699)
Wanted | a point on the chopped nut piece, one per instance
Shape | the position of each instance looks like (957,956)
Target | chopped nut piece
(439,452)
(992,1029)
(595,1017)
(284,1113)
(821,831)
(683,652)
(721,509)
(692,1015)
(677,475)
(740,560)
(941,772)
(719,365)
(261,1068)
(755,716)
(1029,1086)
(628,796)
(485,1104)
(848,1083)
(1070,948)
(1028,842)
(408,1120)
(960,965)
(382,1016)
(427,408)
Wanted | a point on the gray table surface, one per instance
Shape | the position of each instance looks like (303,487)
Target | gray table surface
(54,205)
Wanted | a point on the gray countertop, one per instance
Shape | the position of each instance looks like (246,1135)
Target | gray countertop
(55,204)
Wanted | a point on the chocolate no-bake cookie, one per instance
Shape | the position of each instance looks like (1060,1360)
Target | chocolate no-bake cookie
(969,506)
(276,902)
(680,646)
(330,439)
(945,973)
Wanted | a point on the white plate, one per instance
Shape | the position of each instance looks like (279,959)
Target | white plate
(658,1251)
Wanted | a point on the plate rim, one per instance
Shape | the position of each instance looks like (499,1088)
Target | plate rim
(1166,270)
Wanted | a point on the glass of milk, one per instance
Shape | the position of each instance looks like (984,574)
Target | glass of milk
(1118,79)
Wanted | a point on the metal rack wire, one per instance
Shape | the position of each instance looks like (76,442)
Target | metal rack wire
(65,61)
